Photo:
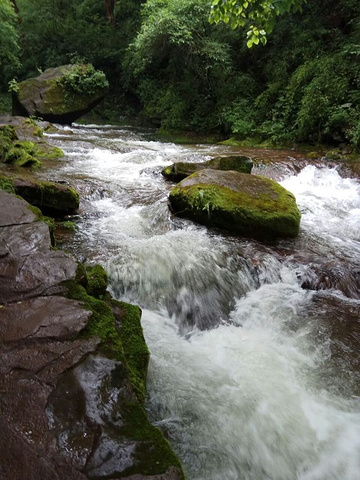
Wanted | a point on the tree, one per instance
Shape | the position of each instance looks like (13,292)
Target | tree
(8,40)
(256,15)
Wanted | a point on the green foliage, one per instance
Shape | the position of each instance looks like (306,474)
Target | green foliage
(176,62)
(9,47)
(239,118)
(13,86)
(258,16)
(165,60)
(84,80)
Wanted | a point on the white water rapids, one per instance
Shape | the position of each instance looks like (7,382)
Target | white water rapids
(244,376)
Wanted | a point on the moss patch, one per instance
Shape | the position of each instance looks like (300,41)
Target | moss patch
(6,184)
(153,453)
(135,349)
(7,137)
(22,154)
(97,280)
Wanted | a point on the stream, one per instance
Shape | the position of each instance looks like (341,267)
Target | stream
(255,368)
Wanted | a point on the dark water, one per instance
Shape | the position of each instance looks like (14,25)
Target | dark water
(254,369)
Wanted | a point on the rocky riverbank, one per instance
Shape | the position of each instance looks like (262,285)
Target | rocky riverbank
(73,365)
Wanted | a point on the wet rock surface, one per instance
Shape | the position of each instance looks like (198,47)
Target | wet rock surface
(62,400)
(180,170)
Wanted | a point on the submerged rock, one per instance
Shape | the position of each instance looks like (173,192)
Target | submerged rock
(180,170)
(60,94)
(249,205)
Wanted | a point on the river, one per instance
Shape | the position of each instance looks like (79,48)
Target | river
(254,371)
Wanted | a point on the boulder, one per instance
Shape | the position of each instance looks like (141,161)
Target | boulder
(60,94)
(180,170)
(249,205)
(48,196)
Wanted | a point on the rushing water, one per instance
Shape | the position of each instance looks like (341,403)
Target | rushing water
(255,370)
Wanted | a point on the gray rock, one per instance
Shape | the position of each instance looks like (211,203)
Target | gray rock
(14,210)
(46,97)
(42,317)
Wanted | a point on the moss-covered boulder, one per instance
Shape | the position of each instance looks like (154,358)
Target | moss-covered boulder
(22,143)
(60,94)
(50,197)
(249,205)
(180,170)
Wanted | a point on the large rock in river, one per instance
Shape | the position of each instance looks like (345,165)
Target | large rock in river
(180,170)
(246,204)
(60,94)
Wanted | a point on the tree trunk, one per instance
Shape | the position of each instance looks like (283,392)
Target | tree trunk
(109,10)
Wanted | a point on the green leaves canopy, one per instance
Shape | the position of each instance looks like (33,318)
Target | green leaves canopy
(256,15)
(8,39)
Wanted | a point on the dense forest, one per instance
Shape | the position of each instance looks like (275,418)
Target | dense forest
(173,64)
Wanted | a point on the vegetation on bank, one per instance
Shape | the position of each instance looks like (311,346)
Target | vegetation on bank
(167,64)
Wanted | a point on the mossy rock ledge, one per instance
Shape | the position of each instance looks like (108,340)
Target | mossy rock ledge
(51,198)
(180,170)
(73,367)
(249,205)
(48,96)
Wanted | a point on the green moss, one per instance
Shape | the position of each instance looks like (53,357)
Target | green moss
(135,348)
(125,343)
(45,151)
(6,184)
(22,154)
(167,171)
(237,142)
(129,332)
(35,129)
(153,453)
(97,280)
(266,215)
(7,136)
(67,225)
(101,322)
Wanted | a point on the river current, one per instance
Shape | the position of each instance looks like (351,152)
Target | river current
(254,370)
